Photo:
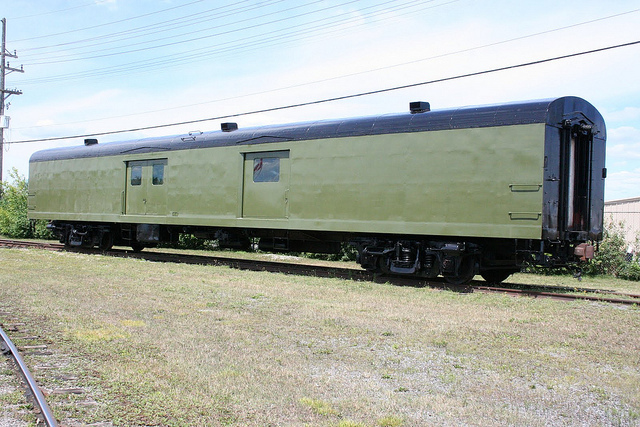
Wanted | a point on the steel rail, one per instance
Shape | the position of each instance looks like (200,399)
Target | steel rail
(535,291)
(8,243)
(350,274)
(553,295)
(37,395)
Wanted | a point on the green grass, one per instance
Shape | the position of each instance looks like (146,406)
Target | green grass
(170,344)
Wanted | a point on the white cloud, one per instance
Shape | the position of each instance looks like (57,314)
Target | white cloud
(627,114)
(623,148)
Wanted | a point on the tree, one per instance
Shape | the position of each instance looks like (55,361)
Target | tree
(13,210)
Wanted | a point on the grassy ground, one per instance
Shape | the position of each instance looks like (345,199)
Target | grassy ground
(168,344)
(14,408)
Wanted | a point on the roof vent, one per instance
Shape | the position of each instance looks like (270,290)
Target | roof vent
(419,107)
(229,127)
(192,136)
(91,141)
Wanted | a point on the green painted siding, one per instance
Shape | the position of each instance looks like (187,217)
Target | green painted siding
(88,189)
(453,182)
(484,182)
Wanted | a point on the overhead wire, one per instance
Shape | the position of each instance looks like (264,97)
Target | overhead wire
(343,97)
(290,34)
(192,39)
(191,31)
(167,62)
(92,27)
(162,26)
(193,58)
(283,39)
(268,38)
(51,12)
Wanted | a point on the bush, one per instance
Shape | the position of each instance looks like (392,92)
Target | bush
(347,253)
(13,211)
(189,241)
(631,270)
(610,259)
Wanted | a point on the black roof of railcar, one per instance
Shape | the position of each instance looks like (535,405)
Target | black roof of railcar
(549,111)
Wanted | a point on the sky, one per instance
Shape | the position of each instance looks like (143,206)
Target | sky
(109,65)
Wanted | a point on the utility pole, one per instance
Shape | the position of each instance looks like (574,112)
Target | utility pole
(5,93)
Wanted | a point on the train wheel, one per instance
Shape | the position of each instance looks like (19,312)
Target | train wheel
(106,241)
(66,239)
(137,247)
(383,265)
(466,271)
(496,276)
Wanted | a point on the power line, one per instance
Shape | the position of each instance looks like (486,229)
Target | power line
(270,39)
(289,34)
(154,28)
(162,26)
(60,57)
(340,98)
(61,10)
(469,49)
(192,58)
(94,26)
(192,39)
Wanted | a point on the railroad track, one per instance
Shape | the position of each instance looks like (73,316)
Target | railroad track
(53,375)
(43,411)
(560,294)
(515,289)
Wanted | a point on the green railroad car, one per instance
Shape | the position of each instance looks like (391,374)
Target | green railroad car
(448,192)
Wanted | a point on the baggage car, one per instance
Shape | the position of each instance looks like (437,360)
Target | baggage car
(452,192)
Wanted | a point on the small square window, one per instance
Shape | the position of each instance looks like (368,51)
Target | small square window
(158,174)
(266,169)
(136,175)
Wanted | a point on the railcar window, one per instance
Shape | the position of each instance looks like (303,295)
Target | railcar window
(266,169)
(157,177)
(136,175)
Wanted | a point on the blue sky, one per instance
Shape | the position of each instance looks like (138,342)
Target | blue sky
(104,65)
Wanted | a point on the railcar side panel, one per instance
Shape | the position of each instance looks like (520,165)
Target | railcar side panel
(202,186)
(88,189)
(483,182)
(473,182)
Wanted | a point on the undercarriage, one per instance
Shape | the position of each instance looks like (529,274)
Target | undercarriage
(457,261)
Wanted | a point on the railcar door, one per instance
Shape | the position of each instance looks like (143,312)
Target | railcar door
(146,192)
(266,185)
